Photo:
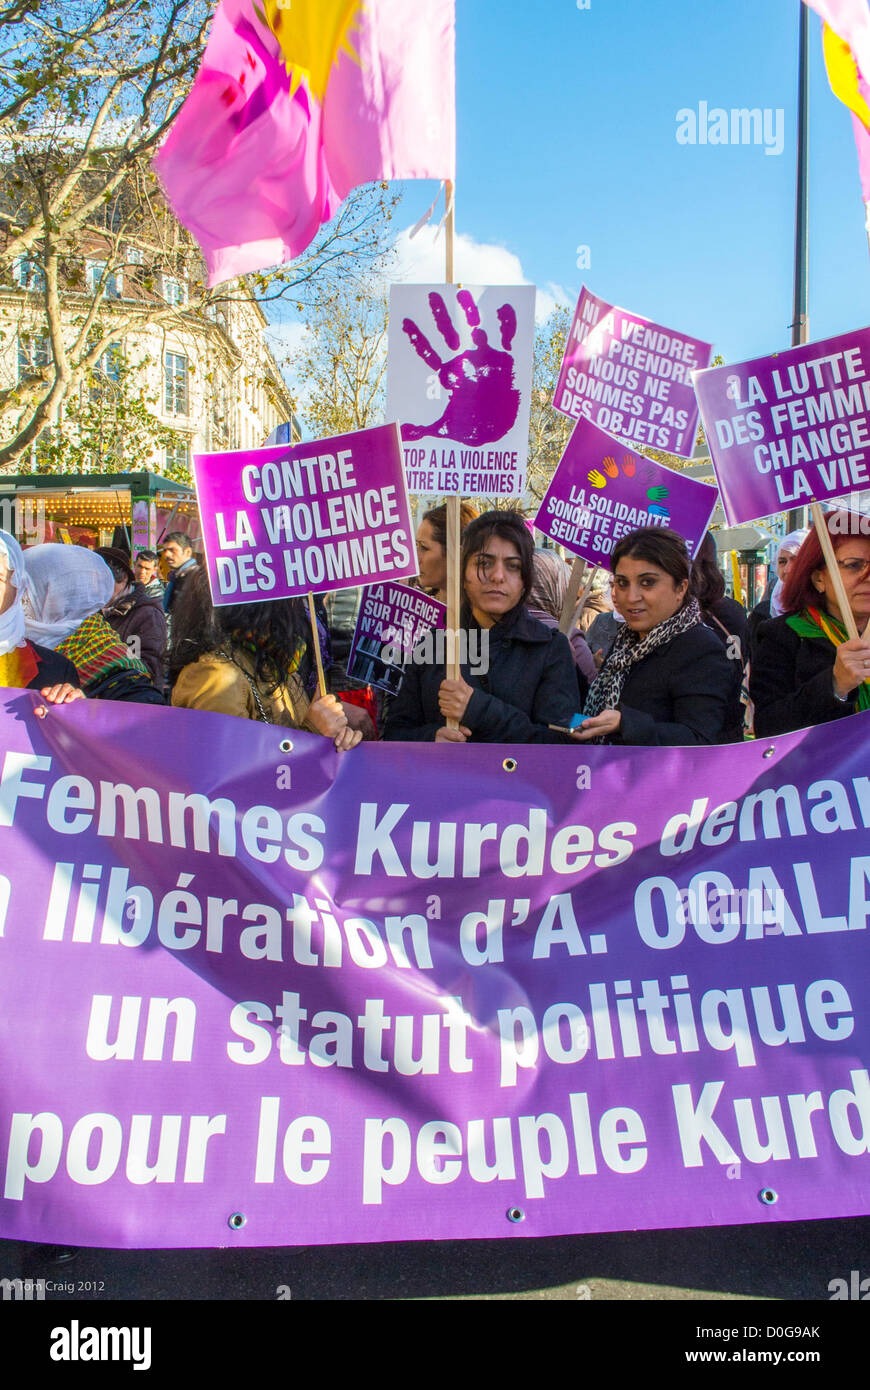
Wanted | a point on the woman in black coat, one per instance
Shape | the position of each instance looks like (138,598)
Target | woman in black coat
(805,669)
(667,679)
(526,679)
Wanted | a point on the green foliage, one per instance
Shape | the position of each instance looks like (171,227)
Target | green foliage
(111,426)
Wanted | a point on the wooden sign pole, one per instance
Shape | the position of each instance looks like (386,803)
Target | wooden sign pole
(453,528)
(315,638)
(834,570)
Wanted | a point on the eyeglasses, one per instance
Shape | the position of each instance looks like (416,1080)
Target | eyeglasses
(855,569)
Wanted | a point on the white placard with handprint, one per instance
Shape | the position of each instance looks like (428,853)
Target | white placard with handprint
(459,381)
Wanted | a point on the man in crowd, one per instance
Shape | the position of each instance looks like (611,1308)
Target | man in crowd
(145,570)
(178,553)
(138,619)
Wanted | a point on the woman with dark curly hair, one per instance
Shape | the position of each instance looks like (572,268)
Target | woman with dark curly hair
(667,679)
(245,660)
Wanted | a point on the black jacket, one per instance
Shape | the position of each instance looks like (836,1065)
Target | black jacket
(531,683)
(136,615)
(728,620)
(53,668)
(791,681)
(678,694)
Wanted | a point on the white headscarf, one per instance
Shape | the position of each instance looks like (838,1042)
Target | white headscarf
(793,541)
(12,632)
(67,585)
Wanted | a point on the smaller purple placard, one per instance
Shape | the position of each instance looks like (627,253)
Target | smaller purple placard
(791,428)
(631,377)
(600,491)
(392,620)
(324,515)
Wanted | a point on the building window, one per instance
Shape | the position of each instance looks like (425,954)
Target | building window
(178,456)
(174,291)
(108,369)
(219,314)
(135,255)
(28,273)
(175,374)
(34,354)
(111,284)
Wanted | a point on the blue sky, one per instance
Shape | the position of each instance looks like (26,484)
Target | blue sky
(567,123)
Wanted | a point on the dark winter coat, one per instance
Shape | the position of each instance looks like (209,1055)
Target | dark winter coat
(531,683)
(678,694)
(176,582)
(140,618)
(727,619)
(53,669)
(791,681)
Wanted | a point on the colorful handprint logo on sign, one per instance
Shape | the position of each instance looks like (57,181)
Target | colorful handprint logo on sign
(609,469)
(483,402)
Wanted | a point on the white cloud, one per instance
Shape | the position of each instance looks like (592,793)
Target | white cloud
(421,261)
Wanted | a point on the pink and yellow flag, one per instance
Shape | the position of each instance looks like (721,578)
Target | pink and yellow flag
(846,40)
(296,103)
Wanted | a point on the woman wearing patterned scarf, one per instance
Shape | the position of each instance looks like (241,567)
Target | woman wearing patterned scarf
(667,678)
(67,588)
(23,664)
(805,669)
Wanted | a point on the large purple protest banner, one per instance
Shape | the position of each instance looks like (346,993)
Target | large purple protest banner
(791,428)
(391,621)
(290,520)
(630,376)
(599,492)
(256,992)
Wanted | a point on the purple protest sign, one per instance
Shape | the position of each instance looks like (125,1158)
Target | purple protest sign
(284,521)
(631,377)
(791,428)
(233,1012)
(459,381)
(600,491)
(391,621)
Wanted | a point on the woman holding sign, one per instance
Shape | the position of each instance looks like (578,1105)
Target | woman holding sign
(667,679)
(245,660)
(528,680)
(805,670)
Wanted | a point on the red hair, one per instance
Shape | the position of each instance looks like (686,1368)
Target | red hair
(798,591)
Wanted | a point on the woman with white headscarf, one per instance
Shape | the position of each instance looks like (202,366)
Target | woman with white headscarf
(68,587)
(771,605)
(26,665)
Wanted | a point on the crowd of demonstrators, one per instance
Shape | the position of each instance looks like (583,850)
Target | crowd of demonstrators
(667,679)
(77,622)
(137,618)
(530,684)
(67,589)
(546,600)
(245,660)
(805,669)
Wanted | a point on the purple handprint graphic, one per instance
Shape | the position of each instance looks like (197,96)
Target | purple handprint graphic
(483,401)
